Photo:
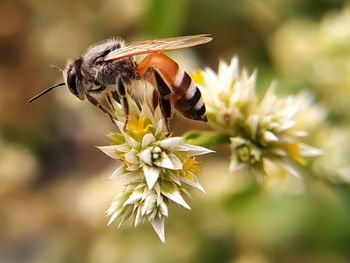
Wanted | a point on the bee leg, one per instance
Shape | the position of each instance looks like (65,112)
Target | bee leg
(97,104)
(109,99)
(164,102)
(122,94)
(97,91)
(162,87)
(126,110)
(165,107)
(164,91)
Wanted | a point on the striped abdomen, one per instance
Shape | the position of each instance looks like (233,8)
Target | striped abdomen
(182,91)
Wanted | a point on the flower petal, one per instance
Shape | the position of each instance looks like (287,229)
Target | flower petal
(287,166)
(135,196)
(160,128)
(235,165)
(170,191)
(131,141)
(253,121)
(147,140)
(158,226)
(196,150)
(270,136)
(163,208)
(120,126)
(151,174)
(148,205)
(119,172)
(176,197)
(194,183)
(131,157)
(164,161)
(113,217)
(110,150)
(133,167)
(138,217)
(170,143)
(286,125)
(176,161)
(309,151)
(146,156)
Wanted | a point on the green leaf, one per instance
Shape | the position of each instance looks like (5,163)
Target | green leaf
(207,139)
(166,17)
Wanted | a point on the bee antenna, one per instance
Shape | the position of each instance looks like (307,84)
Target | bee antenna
(55,67)
(46,91)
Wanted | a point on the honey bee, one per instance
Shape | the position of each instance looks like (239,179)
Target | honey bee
(107,70)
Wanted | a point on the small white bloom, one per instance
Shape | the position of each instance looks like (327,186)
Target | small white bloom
(142,204)
(259,132)
(228,95)
(159,169)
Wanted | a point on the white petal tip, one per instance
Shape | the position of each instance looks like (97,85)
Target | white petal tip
(177,198)
(158,226)
(151,175)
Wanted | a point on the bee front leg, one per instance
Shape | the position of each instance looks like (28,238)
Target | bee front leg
(109,99)
(122,94)
(99,105)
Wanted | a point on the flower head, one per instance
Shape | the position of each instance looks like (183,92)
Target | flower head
(229,95)
(259,131)
(159,169)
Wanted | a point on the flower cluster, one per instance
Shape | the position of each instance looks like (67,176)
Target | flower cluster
(259,131)
(159,168)
(317,52)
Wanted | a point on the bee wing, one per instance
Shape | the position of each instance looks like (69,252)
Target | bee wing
(157,45)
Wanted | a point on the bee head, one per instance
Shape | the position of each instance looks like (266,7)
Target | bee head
(73,78)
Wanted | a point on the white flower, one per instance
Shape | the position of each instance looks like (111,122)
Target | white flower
(228,95)
(159,169)
(259,132)
(140,203)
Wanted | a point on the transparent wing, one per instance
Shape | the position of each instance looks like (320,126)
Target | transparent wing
(157,45)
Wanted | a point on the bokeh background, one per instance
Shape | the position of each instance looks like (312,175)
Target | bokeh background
(53,182)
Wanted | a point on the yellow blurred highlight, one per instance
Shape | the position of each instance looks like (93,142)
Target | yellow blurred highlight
(294,151)
(198,77)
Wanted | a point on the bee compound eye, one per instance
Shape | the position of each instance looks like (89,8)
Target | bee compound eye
(72,81)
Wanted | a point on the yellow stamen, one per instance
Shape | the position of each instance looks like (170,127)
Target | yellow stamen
(189,167)
(198,77)
(137,125)
(122,158)
(294,151)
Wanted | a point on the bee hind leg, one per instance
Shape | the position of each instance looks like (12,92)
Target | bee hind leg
(122,95)
(165,107)
(163,92)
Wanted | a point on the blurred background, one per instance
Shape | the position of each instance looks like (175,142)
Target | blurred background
(53,182)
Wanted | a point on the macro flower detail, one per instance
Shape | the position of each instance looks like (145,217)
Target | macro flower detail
(228,95)
(259,131)
(159,169)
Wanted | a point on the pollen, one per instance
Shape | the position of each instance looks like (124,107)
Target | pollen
(137,125)
(198,77)
(190,167)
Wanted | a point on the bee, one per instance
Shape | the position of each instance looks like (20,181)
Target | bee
(108,69)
